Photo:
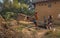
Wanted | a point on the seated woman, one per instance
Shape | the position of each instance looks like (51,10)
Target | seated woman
(50,22)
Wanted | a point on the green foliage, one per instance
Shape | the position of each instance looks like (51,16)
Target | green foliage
(9,15)
(16,7)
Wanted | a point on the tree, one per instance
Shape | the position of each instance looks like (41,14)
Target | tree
(30,8)
(21,6)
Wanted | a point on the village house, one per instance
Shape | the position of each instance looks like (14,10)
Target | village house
(47,7)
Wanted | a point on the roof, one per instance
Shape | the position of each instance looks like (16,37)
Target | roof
(35,1)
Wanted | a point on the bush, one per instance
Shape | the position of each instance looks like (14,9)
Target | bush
(51,34)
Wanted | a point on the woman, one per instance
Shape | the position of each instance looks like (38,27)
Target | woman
(49,22)
(34,21)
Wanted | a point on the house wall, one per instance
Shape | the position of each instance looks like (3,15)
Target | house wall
(44,10)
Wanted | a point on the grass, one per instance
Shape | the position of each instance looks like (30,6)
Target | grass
(21,26)
(49,34)
(52,34)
